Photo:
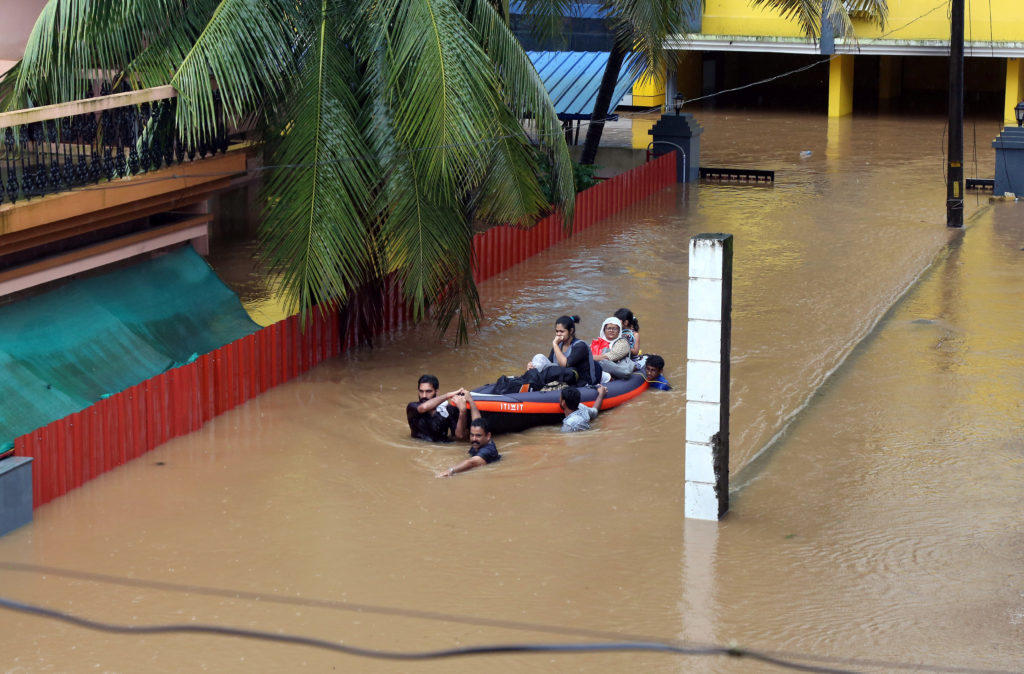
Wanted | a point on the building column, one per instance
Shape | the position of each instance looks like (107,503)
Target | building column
(840,85)
(1014,89)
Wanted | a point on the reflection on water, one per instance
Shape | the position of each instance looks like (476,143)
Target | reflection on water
(883,524)
(235,259)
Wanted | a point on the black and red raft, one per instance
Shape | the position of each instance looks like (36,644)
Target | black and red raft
(513,412)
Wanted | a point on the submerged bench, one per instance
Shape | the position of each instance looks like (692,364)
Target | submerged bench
(743,175)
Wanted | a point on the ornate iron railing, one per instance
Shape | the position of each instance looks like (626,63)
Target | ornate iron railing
(60,147)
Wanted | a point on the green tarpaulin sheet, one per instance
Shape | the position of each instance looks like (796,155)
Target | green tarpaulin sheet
(63,350)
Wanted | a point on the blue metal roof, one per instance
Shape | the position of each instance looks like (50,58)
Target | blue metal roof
(572,79)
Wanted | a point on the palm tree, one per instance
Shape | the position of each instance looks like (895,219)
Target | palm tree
(390,126)
(639,30)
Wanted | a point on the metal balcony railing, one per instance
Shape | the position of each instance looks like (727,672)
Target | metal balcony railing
(55,148)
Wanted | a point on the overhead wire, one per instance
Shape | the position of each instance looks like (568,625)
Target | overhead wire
(338,647)
(438,616)
(789,661)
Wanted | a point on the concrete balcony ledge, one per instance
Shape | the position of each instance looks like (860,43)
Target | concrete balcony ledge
(90,201)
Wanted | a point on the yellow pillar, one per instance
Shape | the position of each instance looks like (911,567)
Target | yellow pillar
(649,90)
(1014,89)
(840,85)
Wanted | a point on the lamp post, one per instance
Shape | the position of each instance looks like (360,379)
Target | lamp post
(1018,111)
(678,100)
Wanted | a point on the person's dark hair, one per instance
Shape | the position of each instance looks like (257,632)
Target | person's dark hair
(655,361)
(480,422)
(626,316)
(569,322)
(429,379)
(571,396)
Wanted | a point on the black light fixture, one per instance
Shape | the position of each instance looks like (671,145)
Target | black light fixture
(1018,110)
(678,101)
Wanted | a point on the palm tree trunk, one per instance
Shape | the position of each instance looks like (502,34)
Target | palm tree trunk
(604,100)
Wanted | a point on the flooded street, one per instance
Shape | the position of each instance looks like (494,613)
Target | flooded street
(877,483)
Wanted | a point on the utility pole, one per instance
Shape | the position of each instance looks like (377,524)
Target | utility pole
(955,165)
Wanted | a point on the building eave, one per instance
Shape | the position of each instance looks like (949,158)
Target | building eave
(861,47)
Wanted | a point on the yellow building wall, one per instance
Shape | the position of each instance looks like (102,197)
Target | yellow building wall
(929,21)
(739,17)
(649,90)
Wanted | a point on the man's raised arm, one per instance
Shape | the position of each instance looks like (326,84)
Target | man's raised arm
(462,427)
(433,403)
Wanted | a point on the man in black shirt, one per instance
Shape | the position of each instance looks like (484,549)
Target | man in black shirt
(481,448)
(432,418)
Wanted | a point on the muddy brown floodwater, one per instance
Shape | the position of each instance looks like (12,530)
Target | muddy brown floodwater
(877,458)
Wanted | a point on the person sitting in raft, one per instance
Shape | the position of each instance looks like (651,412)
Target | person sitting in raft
(481,447)
(631,331)
(652,372)
(432,418)
(569,361)
(577,416)
(611,350)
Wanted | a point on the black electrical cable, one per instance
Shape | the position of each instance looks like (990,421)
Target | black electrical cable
(612,641)
(492,649)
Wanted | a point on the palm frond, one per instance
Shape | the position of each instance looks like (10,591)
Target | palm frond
(248,51)
(76,41)
(426,243)
(317,232)
(808,13)
(510,192)
(441,90)
(641,26)
(525,94)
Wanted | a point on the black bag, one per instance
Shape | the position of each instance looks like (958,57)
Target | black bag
(506,385)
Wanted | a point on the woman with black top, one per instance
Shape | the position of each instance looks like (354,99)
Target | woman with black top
(569,361)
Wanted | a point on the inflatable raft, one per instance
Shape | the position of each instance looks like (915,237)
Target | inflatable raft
(513,412)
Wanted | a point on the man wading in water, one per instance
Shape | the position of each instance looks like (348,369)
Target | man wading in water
(432,418)
(481,447)
(577,416)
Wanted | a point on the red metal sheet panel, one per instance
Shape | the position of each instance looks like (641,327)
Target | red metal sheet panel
(35,447)
(76,453)
(57,441)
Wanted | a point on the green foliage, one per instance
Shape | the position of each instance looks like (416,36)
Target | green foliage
(389,125)
(582,175)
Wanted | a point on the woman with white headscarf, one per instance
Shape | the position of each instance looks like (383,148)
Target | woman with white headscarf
(611,350)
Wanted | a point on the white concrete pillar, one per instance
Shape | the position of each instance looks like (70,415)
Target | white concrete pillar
(708,330)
